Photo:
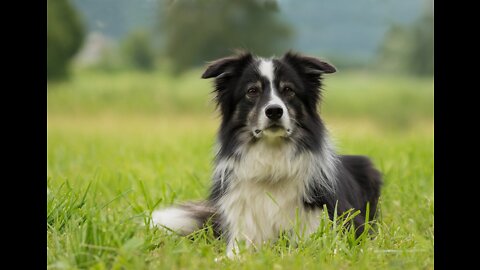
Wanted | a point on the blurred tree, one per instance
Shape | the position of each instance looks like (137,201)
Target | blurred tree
(138,51)
(65,34)
(409,49)
(395,50)
(199,30)
(421,55)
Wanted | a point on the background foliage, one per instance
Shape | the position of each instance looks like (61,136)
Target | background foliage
(409,49)
(196,31)
(65,34)
(138,50)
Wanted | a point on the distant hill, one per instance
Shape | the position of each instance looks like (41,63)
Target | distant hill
(348,28)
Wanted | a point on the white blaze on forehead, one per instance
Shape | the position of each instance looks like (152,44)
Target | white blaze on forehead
(266,69)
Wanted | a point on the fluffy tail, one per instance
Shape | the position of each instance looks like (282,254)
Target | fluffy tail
(185,218)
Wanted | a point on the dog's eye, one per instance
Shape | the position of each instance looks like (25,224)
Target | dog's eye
(252,92)
(288,92)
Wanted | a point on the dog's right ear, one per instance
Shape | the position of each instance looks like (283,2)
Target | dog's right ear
(226,66)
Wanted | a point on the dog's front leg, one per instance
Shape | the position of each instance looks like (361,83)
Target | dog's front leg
(233,250)
(237,240)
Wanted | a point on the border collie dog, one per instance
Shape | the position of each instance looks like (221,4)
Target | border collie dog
(275,167)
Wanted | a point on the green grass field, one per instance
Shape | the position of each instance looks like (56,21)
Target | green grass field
(122,145)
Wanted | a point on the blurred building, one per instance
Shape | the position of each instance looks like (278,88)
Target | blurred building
(94,49)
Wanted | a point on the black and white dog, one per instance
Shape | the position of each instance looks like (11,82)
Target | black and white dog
(275,167)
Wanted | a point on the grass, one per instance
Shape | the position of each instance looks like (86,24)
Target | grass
(120,146)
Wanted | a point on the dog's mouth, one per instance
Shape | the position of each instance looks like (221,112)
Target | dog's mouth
(273,130)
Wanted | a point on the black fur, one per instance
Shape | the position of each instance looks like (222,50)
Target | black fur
(358,184)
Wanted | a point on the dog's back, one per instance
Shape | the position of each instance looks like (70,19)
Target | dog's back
(366,176)
(360,186)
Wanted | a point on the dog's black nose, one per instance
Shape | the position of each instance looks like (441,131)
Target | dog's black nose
(274,112)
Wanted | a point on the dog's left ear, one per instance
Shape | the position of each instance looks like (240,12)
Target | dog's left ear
(309,65)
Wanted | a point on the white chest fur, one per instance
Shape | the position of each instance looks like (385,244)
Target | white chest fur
(265,194)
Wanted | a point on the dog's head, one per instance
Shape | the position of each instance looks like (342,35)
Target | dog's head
(267,99)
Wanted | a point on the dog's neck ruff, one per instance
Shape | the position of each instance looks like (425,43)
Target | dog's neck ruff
(274,163)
